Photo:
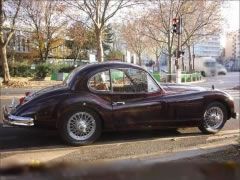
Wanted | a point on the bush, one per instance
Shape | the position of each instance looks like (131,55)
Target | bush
(21,70)
(42,70)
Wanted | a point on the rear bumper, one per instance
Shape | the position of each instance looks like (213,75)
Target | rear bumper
(12,120)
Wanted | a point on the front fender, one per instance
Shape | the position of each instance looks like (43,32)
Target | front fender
(222,97)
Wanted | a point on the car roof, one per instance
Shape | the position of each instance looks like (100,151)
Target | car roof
(90,68)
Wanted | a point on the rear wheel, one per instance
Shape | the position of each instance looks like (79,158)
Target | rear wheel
(80,127)
(214,118)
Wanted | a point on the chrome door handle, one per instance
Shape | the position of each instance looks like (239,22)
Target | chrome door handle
(118,103)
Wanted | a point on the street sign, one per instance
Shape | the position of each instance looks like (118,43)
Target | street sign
(92,58)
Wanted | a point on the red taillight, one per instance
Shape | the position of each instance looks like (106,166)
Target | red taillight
(21,100)
(27,93)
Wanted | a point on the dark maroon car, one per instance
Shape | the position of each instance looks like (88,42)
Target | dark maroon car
(119,96)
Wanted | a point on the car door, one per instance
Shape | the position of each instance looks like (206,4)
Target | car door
(136,99)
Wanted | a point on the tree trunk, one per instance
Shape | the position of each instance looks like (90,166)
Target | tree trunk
(99,45)
(158,65)
(190,58)
(183,65)
(139,60)
(46,53)
(6,74)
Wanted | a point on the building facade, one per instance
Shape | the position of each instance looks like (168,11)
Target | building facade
(209,47)
(232,50)
(232,46)
(24,44)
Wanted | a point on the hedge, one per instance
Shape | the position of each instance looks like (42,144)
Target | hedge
(40,71)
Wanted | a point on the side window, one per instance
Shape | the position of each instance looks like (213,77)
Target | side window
(120,81)
(132,81)
(100,81)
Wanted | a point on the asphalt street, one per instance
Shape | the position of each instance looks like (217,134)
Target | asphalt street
(223,82)
(14,139)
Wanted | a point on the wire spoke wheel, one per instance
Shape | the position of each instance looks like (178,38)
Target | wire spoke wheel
(213,118)
(81,126)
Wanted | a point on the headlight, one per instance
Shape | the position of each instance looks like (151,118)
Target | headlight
(229,96)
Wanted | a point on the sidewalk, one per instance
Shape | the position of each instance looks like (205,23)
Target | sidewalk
(226,167)
(231,155)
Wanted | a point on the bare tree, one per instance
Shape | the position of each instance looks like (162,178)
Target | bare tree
(132,35)
(9,11)
(79,36)
(99,12)
(200,20)
(159,26)
(156,49)
(46,20)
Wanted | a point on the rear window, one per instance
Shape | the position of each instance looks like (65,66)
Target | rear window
(70,77)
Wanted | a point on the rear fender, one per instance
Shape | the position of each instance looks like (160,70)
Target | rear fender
(104,110)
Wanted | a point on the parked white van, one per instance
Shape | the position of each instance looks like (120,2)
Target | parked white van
(206,65)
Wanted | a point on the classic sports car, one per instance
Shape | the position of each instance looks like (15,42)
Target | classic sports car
(118,96)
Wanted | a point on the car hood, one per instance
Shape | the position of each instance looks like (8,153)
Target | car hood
(180,88)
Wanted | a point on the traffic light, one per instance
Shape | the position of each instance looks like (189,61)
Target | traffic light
(176,25)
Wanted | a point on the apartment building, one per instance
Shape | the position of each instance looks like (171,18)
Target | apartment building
(209,47)
(232,46)
(23,43)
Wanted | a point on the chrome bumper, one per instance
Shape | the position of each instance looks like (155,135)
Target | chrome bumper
(235,115)
(16,120)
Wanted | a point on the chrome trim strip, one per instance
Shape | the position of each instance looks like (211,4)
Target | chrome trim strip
(16,120)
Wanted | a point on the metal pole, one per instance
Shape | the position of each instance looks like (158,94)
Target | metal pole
(193,58)
(178,70)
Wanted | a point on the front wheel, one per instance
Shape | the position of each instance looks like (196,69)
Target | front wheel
(214,118)
(80,127)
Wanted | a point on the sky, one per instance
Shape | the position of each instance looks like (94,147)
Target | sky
(231,13)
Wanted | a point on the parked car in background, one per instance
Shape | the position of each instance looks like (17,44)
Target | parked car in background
(117,96)
(220,69)
(206,65)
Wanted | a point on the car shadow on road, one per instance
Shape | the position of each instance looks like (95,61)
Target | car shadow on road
(12,139)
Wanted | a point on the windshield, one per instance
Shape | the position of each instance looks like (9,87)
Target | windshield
(210,64)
